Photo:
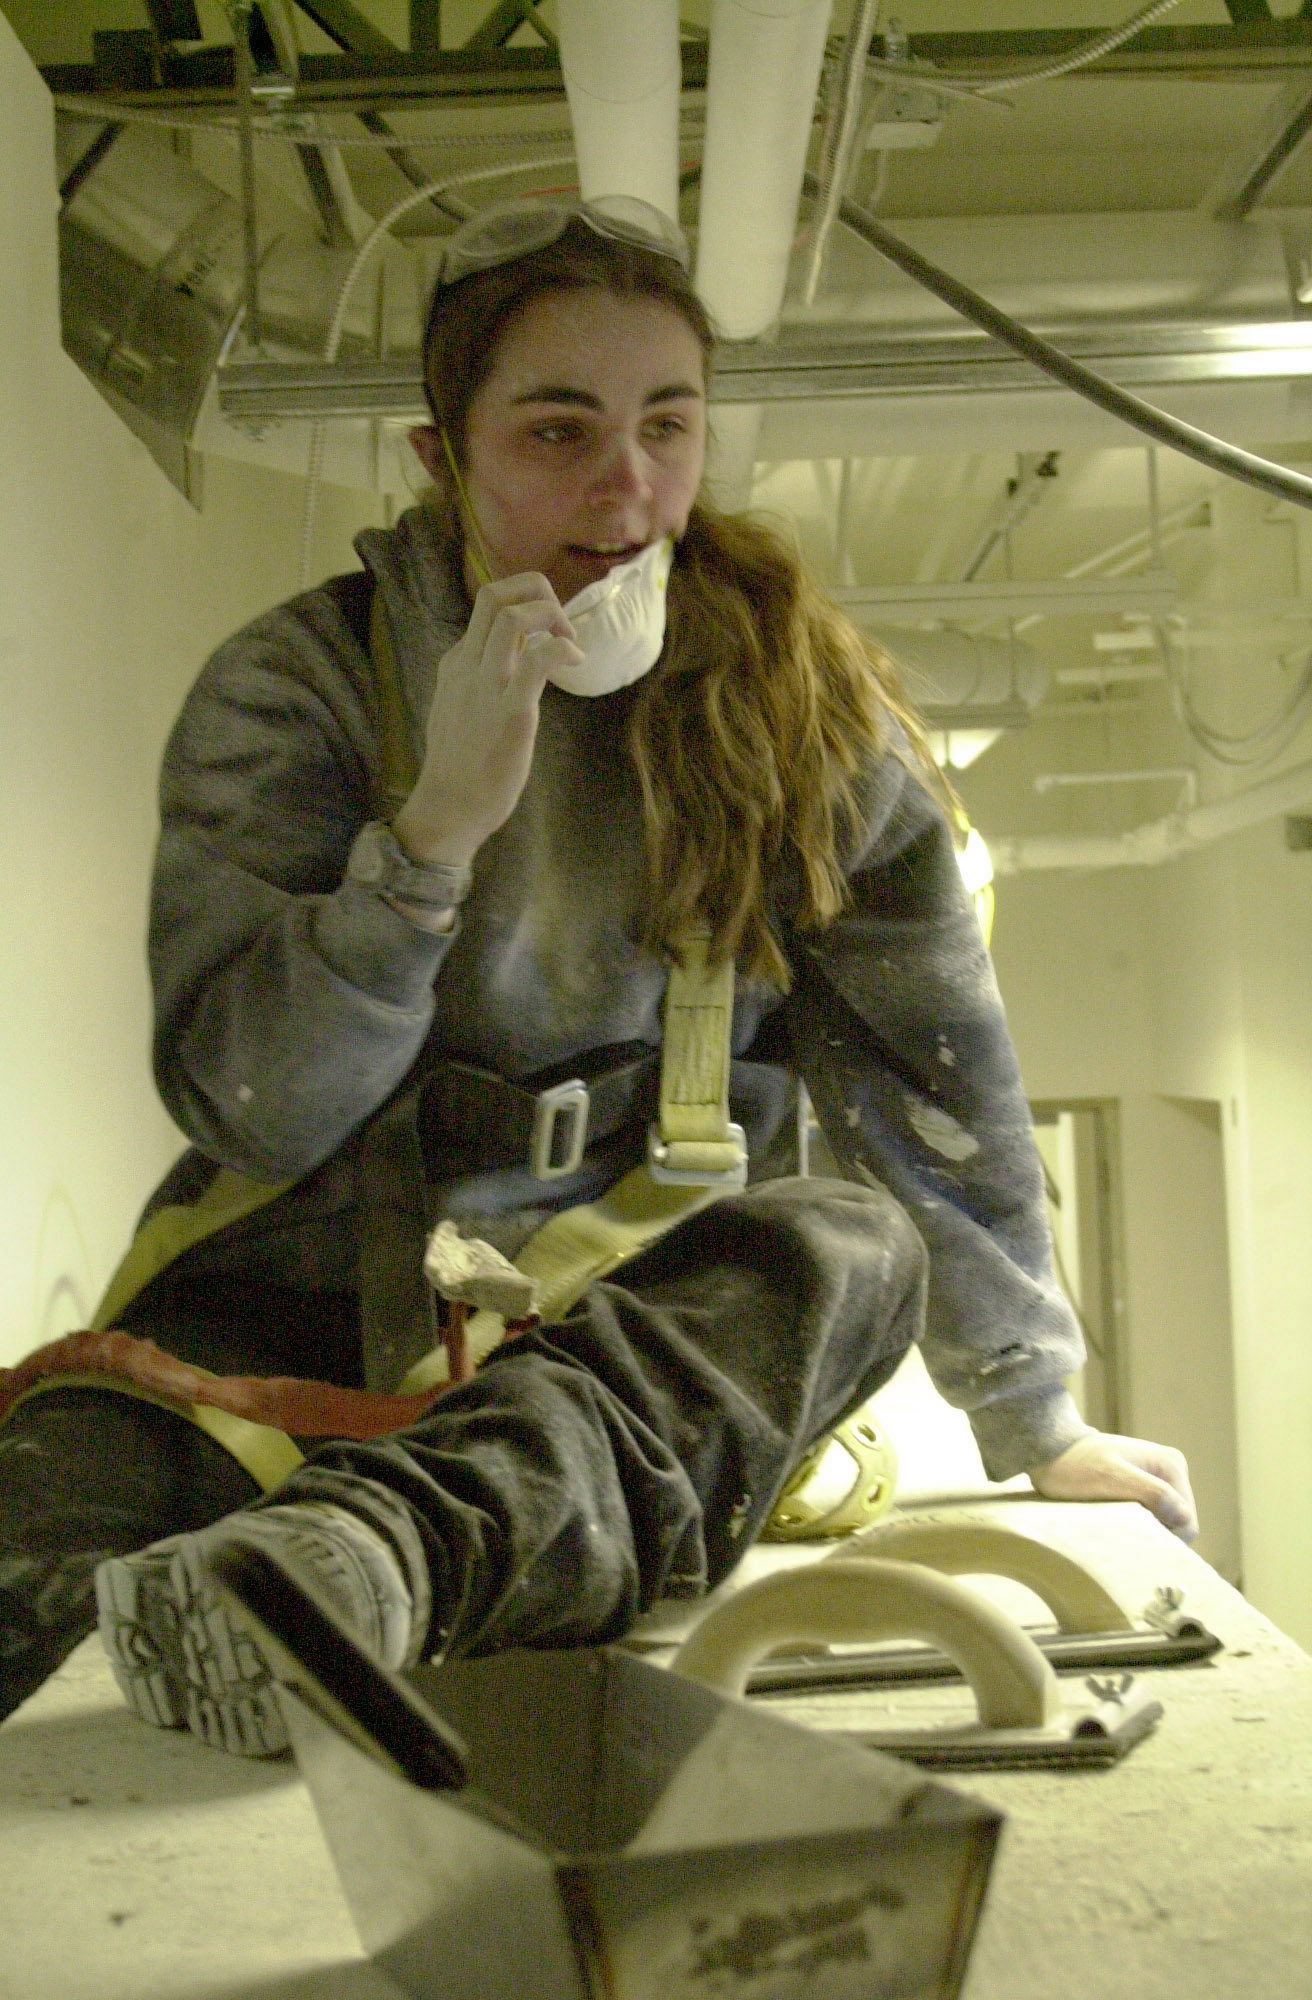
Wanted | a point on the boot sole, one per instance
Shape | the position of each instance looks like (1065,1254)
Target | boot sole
(180,1661)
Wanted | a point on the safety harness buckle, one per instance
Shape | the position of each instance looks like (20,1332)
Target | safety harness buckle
(698,1162)
(550,1156)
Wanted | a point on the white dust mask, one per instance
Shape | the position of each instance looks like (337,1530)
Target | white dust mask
(619,624)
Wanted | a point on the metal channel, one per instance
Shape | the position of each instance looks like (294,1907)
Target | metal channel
(909,603)
(1213,52)
(1128,355)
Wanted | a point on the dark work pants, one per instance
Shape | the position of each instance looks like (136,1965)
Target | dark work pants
(86,1474)
(631,1450)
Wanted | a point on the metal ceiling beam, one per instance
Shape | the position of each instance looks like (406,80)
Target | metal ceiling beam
(1132,356)
(204,80)
(426,27)
(1247,178)
(1239,49)
(88,162)
(1154,593)
(204,76)
(505,20)
(410,169)
(335,228)
(348,27)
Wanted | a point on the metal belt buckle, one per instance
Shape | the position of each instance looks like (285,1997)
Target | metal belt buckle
(732,1176)
(572,1099)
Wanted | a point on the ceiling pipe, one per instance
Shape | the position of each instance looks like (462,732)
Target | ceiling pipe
(962,671)
(761,85)
(1161,839)
(620,60)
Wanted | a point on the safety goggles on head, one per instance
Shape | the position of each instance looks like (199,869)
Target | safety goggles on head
(511,229)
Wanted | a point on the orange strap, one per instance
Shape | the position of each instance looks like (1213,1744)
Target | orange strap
(282,1402)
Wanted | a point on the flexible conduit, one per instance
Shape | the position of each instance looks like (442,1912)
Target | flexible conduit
(1228,459)
(1016,79)
(837,155)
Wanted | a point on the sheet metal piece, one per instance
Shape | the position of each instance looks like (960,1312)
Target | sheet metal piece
(628,1835)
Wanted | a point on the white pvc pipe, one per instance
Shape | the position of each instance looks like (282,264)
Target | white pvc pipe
(1161,839)
(620,60)
(761,87)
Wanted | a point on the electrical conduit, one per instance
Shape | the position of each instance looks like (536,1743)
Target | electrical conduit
(1161,839)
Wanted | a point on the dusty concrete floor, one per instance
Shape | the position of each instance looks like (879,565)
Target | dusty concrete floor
(136,1865)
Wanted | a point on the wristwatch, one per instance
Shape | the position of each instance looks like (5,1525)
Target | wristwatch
(379,862)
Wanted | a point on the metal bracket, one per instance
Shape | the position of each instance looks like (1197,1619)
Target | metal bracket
(659,1154)
(571,1099)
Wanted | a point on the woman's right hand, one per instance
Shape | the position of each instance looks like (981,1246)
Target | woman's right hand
(483,720)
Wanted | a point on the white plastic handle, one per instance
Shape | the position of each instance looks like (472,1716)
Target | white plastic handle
(862,1602)
(970,1547)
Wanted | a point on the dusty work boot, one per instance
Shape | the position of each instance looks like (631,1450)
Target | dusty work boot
(184,1660)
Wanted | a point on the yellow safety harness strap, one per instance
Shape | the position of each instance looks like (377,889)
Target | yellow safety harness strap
(268,1454)
(696,1156)
(173,1230)
(567,1254)
(694,1141)
(573,1250)
(395,743)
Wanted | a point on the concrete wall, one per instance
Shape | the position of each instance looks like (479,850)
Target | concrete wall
(1177,1372)
(1180,995)
(1235,969)
(112,590)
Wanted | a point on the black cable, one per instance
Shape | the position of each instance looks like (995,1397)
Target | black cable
(89,161)
(1227,459)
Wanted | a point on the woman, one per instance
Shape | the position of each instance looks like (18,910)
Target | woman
(356,1016)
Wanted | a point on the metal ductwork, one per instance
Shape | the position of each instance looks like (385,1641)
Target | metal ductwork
(152,282)
(967,687)
(150,270)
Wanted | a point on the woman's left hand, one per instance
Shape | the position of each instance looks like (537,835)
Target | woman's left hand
(1103,1467)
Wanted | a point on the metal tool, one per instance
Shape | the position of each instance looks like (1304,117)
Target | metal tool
(624,1834)
(1022,1715)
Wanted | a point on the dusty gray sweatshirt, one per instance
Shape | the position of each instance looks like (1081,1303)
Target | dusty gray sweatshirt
(290,1000)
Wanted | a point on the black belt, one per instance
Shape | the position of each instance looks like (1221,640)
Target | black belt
(471,1119)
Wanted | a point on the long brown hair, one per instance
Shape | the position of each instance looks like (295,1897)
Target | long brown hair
(749,735)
